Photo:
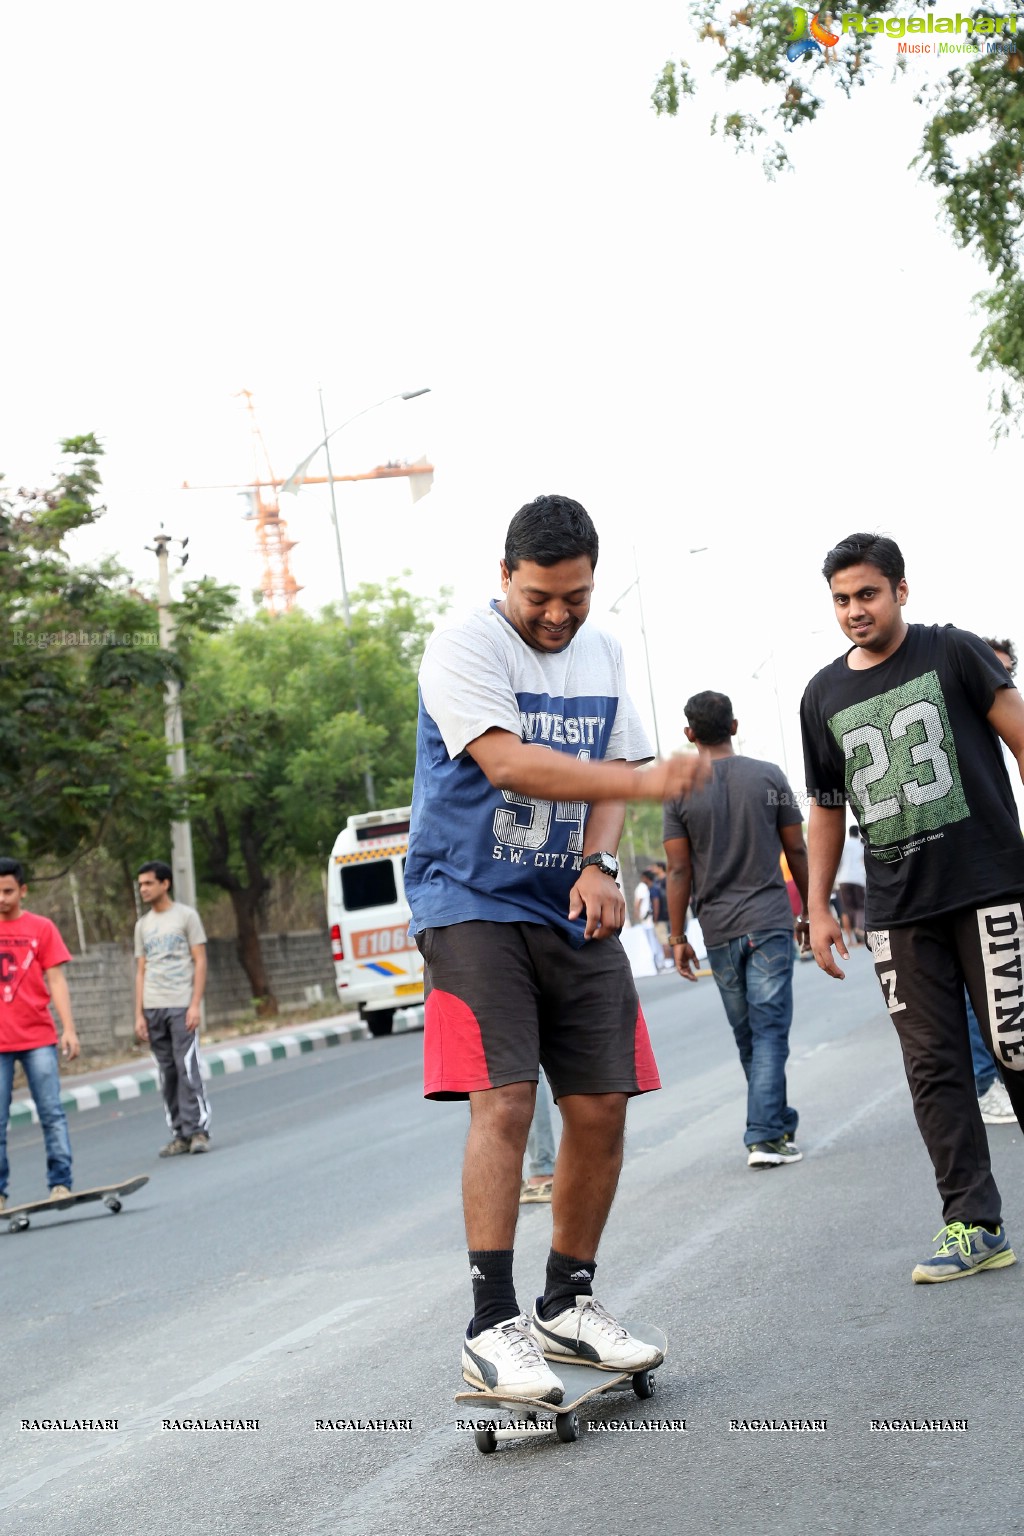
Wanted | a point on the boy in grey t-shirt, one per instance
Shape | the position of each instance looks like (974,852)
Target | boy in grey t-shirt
(170,977)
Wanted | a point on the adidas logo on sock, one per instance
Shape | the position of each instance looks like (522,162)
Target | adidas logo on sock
(477,1274)
(581,1274)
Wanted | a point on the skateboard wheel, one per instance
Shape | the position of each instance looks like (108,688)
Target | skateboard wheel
(19,1224)
(567,1426)
(644,1384)
(112,1203)
(486,1441)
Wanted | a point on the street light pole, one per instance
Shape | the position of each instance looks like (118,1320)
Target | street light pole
(369,787)
(182,861)
(778,705)
(643,632)
(334,519)
(292,486)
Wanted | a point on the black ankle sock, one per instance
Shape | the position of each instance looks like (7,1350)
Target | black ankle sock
(566,1278)
(494,1295)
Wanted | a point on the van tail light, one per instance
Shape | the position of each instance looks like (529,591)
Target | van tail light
(337,951)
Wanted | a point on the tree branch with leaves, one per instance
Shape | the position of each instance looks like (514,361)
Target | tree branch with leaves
(972,145)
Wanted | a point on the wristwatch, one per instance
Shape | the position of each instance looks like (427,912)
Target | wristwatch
(607,863)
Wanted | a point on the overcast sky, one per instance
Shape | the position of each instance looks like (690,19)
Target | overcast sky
(206,198)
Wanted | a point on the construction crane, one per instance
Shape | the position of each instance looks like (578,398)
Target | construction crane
(278,585)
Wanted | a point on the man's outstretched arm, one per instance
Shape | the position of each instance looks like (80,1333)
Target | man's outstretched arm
(510,763)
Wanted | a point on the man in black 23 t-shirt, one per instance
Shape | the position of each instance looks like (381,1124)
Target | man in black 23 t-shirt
(905,726)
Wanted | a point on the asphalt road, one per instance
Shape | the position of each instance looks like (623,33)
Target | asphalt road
(312,1267)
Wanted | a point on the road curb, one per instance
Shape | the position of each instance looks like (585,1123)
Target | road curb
(220,1061)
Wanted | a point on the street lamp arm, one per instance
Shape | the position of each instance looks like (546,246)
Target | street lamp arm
(622,595)
(292,485)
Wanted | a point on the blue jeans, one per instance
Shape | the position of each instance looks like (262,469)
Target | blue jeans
(43,1074)
(985,1072)
(754,976)
(540,1143)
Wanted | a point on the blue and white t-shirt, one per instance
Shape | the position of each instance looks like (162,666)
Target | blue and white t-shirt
(480,854)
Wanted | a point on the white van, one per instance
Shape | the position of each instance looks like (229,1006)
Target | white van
(376,964)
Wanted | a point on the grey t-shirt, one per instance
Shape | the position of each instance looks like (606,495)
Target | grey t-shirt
(166,939)
(733,829)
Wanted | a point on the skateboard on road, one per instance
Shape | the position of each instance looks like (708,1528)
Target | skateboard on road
(17,1216)
(583,1384)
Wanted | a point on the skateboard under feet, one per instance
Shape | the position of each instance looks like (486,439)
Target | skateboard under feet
(582,1383)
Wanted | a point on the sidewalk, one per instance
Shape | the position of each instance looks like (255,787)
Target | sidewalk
(91,1090)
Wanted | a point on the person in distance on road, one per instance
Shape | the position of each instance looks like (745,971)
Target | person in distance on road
(723,847)
(32,960)
(527,749)
(170,978)
(906,726)
(850,877)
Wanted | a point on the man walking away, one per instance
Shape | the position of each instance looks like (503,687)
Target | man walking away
(722,846)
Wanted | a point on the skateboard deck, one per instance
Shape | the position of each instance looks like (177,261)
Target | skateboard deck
(17,1216)
(583,1384)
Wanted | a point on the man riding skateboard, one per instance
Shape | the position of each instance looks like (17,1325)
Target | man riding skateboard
(527,749)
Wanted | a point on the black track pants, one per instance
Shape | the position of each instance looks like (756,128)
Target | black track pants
(922,969)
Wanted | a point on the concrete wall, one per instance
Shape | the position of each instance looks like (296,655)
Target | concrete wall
(102,984)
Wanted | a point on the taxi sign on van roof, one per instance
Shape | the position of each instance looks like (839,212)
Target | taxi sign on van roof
(372,824)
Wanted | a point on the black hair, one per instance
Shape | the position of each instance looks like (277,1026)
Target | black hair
(550,529)
(709,716)
(854,832)
(12,867)
(1009,648)
(866,549)
(160,869)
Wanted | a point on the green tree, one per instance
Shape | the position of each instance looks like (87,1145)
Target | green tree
(278,745)
(972,148)
(80,667)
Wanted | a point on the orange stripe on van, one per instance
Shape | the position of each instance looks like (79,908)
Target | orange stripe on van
(365,855)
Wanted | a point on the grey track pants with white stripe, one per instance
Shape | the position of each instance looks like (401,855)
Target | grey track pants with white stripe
(177,1055)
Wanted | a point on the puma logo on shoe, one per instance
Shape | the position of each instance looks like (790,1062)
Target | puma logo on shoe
(488,1373)
(566,1346)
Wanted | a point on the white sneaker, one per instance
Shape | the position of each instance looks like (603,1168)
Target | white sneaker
(588,1334)
(507,1359)
(995,1105)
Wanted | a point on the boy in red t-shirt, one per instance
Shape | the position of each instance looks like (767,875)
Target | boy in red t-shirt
(32,954)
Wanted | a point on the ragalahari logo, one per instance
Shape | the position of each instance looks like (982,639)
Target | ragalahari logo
(799,43)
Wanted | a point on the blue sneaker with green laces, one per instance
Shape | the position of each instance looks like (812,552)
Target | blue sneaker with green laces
(964,1251)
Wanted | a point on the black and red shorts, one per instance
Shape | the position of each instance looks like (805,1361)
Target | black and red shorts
(503,999)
